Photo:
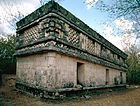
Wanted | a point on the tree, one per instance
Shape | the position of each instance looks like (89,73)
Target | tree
(120,7)
(133,74)
(129,9)
(7,49)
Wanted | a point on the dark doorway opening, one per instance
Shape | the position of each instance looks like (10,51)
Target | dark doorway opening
(80,72)
(121,78)
(107,77)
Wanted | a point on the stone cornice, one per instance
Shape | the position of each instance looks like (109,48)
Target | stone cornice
(60,46)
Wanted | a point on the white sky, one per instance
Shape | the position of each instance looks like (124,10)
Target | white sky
(14,6)
(124,24)
(90,3)
(118,41)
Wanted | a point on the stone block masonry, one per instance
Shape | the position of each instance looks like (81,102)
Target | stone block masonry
(56,52)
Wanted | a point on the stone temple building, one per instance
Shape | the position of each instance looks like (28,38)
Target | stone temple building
(56,51)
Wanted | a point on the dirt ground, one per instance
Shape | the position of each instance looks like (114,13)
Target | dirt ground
(10,97)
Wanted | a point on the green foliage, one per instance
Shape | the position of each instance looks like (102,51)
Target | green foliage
(133,74)
(7,49)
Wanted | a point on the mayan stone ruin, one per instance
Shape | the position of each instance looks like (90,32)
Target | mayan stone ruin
(57,52)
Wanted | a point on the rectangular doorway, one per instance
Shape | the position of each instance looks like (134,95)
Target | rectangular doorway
(80,73)
(107,77)
(121,78)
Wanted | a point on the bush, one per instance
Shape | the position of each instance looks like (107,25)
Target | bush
(133,73)
(7,59)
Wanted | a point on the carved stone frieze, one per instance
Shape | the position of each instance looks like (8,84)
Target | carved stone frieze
(27,36)
(53,27)
(69,31)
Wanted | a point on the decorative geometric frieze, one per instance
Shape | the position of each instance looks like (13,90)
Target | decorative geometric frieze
(70,31)
(56,8)
(73,36)
(27,36)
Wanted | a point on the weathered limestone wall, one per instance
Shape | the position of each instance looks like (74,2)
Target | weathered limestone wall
(93,74)
(55,70)
(37,69)
(65,71)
